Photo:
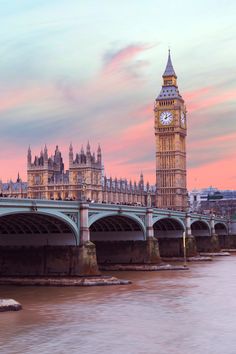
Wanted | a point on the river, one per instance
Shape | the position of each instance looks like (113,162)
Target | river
(171,312)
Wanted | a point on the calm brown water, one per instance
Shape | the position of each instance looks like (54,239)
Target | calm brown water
(181,312)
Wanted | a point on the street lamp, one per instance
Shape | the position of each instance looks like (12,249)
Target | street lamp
(184,248)
(83,186)
(83,191)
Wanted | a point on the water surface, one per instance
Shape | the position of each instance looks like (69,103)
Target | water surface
(177,312)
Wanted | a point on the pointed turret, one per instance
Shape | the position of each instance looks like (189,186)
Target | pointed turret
(88,151)
(70,155)
(71,148)
(169,89)
(57,150)
(99,154)
(105,182)
(45,155)
(130,186)
(169,70)
(29,157)
(141,181)
(41,159)
(88,154)
(18,178)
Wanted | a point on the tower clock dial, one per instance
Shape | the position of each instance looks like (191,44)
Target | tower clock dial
(166,117)
(182,118)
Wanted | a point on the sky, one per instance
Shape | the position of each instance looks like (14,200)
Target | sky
(73,71)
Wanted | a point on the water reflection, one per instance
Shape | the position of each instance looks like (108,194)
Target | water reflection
(179,312)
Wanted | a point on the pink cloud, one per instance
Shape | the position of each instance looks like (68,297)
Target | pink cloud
(192,95)
(114,60)
(20,97)
(126,152)
(207,97)
(135,134)
(206,142)
(219,173)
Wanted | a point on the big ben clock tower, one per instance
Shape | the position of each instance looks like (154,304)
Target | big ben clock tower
(170,132)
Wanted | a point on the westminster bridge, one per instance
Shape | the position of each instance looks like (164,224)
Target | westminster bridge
(70,237)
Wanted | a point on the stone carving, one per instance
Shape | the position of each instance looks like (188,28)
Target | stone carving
(142,217)
(92,213)
(73,217)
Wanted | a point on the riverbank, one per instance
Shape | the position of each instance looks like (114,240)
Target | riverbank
(141,267)
(215,254)
(63,281)
(188,259)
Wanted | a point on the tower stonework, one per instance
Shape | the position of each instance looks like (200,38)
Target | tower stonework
(170,133)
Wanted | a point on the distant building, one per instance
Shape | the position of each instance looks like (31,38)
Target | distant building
(194,201)
(12,189)
(211,200)
(84,180)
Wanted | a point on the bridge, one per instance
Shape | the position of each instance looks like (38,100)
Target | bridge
(44,237)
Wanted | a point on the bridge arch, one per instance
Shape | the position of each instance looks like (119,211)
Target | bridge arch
(119,238)
(123,222)
(221,228)
(116,226)
(200,228)
(37,228)
(169,232)
(168,227)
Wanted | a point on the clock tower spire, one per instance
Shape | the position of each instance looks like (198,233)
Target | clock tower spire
(170,133)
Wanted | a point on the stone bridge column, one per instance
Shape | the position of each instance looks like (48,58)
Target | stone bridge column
(215,244)
(229,227)
(153,253)
(230,235)
(87,249)
(227,237)
(84,225)
(191,245)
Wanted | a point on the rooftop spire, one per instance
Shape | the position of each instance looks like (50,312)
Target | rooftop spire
(71,148)
(88,148)
(169,71)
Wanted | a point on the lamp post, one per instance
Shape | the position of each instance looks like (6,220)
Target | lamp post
(84,187)
(184,248)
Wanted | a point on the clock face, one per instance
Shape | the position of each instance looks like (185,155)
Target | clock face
(182,118)
(166,117)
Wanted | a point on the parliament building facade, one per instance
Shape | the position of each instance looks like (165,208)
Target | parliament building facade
(85,179)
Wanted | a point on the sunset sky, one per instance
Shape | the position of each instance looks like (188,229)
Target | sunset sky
(79,70)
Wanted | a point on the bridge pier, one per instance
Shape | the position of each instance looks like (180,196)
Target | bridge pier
(214,241)
(87,264)
(191,244)
(152,249)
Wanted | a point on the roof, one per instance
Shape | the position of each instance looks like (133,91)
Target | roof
(169,92)
(169,71)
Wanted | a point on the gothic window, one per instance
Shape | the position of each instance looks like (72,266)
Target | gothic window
(37,179)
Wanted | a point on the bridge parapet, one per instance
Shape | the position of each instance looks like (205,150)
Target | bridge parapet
(74,213)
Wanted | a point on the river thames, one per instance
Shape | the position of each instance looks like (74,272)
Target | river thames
(178,312)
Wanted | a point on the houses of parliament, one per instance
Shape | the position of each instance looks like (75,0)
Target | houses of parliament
(85,179)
